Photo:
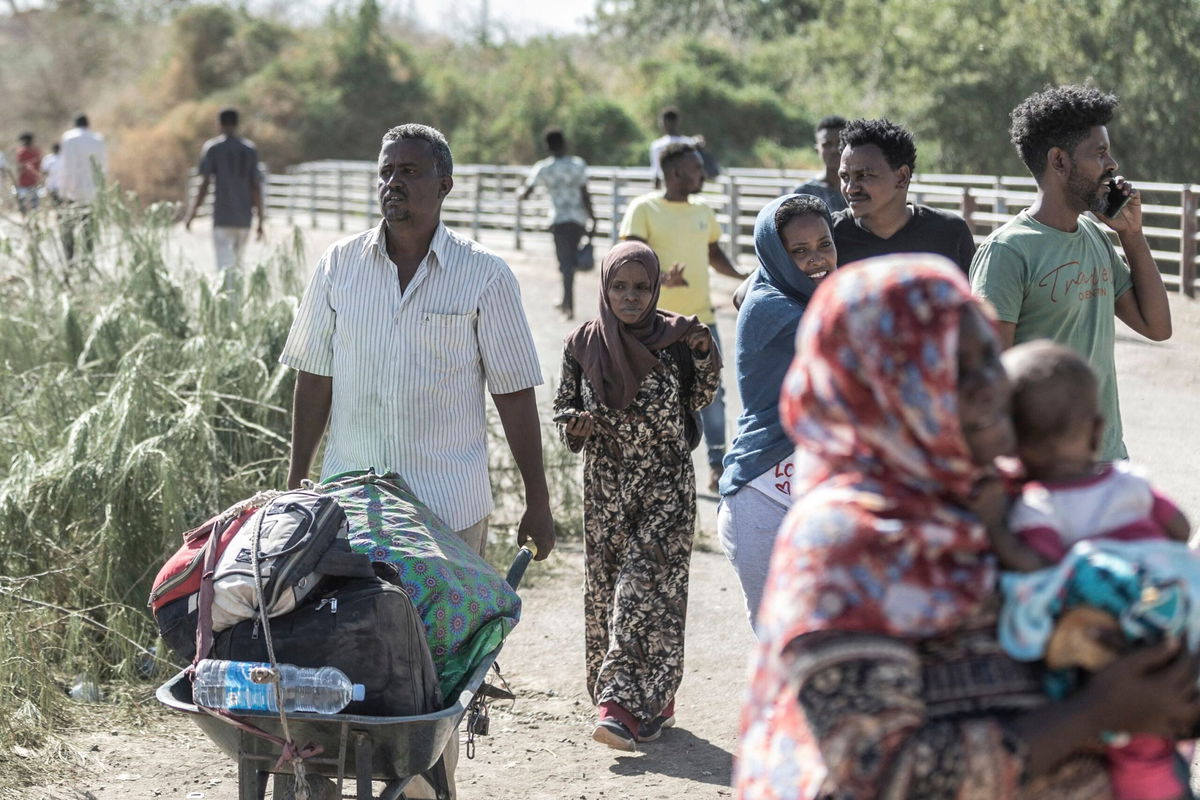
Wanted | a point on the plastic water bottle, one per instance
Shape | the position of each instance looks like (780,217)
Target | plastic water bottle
(228,684)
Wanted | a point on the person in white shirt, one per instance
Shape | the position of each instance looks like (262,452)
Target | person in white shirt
(564,178)
(81,155)
(50,171)
(399,332)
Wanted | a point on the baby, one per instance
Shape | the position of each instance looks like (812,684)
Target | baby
(1069,496)
(1120,582)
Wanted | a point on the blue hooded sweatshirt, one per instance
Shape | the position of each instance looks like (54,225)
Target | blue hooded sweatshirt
(766,344)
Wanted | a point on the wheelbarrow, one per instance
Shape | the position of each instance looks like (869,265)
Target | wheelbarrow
(391,750)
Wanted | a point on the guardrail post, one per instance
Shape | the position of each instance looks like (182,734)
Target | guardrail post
(1187,241)
(369,208)
(1001,205)
(341,198)
(266,191)
(517,221)
(734,221)
(478,210)
(291,206)
(616,207)
(312,195)
(967,208)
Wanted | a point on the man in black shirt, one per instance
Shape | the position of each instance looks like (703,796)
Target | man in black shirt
(878,158)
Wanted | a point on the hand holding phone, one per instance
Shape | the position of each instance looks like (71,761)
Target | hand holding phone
(1117,199)
(576,423)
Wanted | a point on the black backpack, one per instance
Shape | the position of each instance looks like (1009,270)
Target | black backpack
(687,382)
(304,541)
(303,536)
(367,628)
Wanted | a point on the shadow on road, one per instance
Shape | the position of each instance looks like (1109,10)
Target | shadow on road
(679,754)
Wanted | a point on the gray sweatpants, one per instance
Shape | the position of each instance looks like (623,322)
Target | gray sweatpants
(747,523)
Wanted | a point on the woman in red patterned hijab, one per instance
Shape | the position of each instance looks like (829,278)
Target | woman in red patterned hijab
(878,673)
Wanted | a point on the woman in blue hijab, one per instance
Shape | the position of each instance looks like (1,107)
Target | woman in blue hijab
(793,239)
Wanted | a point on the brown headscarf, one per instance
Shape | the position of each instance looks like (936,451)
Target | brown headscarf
(614,356)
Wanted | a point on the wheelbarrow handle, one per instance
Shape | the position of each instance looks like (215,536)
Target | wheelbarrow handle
(517,570)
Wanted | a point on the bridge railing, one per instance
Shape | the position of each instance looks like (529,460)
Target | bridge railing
(487,197)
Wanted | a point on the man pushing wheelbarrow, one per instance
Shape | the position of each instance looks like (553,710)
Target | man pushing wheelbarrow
(398,333)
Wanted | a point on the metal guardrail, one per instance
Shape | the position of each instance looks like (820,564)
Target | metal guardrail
(487,197)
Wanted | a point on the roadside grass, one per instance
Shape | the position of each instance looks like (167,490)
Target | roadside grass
(135,403)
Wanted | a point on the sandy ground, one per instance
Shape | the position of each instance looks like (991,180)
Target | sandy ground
(540,747)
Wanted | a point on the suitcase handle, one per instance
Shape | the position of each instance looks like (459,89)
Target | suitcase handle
(517,570)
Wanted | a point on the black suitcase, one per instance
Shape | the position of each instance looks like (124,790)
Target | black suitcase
(367,628)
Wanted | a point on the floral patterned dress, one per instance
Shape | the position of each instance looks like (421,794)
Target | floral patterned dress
(639,514)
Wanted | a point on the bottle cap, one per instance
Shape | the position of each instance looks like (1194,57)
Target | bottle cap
(358,691)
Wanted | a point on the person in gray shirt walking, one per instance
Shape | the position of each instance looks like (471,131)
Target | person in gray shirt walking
(233,162)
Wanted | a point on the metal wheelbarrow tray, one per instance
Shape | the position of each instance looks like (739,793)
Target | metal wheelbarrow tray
(393,750)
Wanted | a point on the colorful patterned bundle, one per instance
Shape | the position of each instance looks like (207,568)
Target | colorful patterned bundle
(464,602)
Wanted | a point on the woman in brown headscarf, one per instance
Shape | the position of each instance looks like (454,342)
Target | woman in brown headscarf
(630,379)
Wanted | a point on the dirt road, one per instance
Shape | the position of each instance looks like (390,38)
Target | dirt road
(540,749)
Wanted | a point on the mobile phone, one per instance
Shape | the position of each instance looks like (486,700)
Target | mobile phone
(1116,200)
(565,416)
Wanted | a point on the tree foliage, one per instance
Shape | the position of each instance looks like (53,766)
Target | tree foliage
(652,20)
(751,75)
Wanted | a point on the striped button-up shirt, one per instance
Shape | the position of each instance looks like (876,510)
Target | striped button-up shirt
(409,368)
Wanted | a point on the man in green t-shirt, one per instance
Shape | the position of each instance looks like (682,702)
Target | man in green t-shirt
(684,233)
(1053,274)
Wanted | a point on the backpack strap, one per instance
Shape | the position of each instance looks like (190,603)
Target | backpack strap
(342,562)
(687,372)
(577,371)
(204,632)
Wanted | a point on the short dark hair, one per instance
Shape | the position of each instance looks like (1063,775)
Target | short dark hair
(832,122)
(25,137)
(1057,116)
(674,152)
(802,205)
(1052,388)
(895,142)
(228,117)
(442,159)
(81,121)
(668,112)
(555,139)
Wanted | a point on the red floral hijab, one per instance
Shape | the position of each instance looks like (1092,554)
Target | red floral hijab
(879,541)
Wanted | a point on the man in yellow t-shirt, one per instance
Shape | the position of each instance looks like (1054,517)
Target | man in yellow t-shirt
(685,235)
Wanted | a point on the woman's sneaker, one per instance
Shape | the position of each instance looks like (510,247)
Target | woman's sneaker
(614,734)
(653,729)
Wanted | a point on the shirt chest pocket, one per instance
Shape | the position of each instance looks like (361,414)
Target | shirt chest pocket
(448,341)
